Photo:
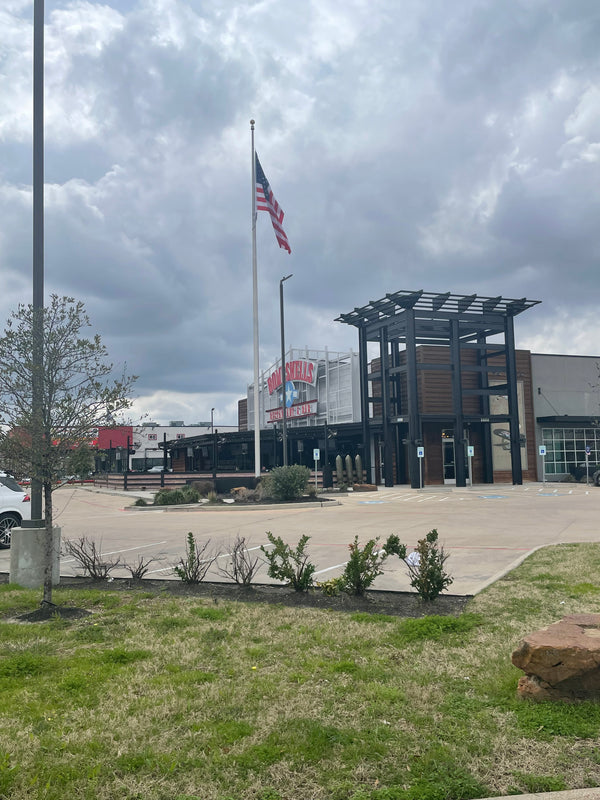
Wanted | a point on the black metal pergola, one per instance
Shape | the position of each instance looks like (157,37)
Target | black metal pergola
(459,322)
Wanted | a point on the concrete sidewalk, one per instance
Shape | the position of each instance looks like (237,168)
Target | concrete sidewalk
(571,794)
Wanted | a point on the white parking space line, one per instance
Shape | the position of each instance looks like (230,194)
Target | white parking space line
(328,569)
(128,549)
(114,552)
(246,550)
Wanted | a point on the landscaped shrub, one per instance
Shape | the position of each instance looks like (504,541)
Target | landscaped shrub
(89,558)
(190,493)
(168,497)
(203,487)
(198,560)
(289,483)
(365,563)
(175,497)
(286,564)
(428,576)
(240,566)
(139,568)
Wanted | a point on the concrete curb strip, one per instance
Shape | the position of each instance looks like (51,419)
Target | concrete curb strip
(570,794)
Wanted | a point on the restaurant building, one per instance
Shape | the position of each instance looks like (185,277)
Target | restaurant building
(436,394)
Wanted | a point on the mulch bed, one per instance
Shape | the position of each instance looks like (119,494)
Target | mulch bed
(399,604)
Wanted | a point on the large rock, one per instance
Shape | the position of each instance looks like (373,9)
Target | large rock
(562,661)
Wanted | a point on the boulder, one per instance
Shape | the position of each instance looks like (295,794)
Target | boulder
(561,661)
(364,487)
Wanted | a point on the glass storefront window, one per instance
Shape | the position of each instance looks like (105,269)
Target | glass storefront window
(565,448)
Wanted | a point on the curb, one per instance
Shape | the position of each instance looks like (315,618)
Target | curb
(568,794)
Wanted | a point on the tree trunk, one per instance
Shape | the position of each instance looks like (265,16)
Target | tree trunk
(49,549)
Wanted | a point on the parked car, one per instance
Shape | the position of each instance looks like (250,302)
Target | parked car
(15,506)
(158,469)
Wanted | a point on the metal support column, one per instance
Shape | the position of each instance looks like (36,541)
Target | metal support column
(486,431)
(412,386)
(388,474)
(513,404)
(397,411)
(457,406)
(364,401)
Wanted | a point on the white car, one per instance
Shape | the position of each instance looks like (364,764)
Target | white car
(158,469)
(15,506)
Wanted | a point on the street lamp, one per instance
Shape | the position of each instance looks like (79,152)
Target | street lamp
(212,413)
(283,381)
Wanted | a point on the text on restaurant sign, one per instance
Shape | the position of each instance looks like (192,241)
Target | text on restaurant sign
(294,371)
(299,410)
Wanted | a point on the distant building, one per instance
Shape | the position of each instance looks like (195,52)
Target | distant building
(144,443)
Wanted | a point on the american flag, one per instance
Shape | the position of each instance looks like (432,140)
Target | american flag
(265,201)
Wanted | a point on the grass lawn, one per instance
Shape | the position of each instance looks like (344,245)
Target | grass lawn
(160,698)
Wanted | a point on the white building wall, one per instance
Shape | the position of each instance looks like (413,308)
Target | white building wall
(565,385)
(336,390)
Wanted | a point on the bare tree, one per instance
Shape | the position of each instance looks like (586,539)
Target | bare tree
(79,394)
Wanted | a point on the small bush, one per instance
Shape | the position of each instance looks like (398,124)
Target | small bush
(332,587)
(428,576)
(366,563)
(89,558)
(241,566)
(203,487)
(168,497)
(363,566)
(140,502)
(175,497)
(289,483)
(140,567)
(198,560)
(291,566)
(190,493)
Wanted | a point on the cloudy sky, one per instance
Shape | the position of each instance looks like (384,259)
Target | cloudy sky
(413,144)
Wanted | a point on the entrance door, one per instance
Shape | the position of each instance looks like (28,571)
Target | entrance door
(448,467)
(449,459)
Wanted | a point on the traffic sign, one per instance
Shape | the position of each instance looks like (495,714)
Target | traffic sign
(316,454)
(542,450)
(420,452)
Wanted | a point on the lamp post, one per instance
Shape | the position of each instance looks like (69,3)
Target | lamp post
(283,381)
(212,416)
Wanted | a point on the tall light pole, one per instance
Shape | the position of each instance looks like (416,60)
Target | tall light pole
(212,415)
(38,262)
(283,381)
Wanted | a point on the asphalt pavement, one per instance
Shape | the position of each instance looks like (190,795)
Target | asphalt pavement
(487,530)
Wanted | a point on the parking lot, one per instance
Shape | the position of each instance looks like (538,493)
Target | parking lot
(485,529)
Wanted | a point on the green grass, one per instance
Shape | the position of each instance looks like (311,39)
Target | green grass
(159,698)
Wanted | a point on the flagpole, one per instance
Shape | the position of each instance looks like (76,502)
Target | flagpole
(255,316)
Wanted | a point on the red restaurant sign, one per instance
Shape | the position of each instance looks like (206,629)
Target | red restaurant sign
(304,371)
(299,410)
